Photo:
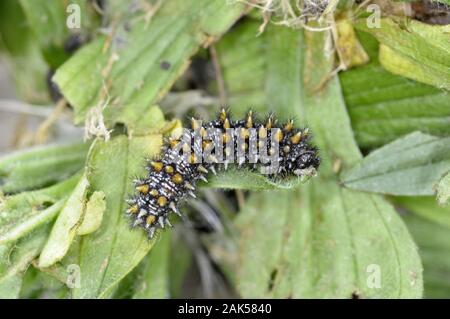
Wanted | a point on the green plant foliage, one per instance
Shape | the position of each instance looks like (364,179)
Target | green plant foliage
(15,259)
(281,251)
(414,50)
(243,179)
(384,106)
(153,281)
(66,226)
(47,20)
(143,71)
(25,61)
(37,284)
(433,241)
(309,237)
(425,207)
(180,263)
(64,232)
(161,274)
(112,251)
(41,166)
(93,216)
(411,165)
(442,189)
(24,212)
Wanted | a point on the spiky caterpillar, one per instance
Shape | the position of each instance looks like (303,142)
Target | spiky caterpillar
(172,178)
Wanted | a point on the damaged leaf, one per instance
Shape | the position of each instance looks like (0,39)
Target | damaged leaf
(95,207)
(66,226)
(413,49)
(128,75)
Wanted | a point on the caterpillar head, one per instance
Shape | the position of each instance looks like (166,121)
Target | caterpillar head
(307,162)
(303,157)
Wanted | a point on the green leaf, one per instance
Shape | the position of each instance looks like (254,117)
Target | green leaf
(48,21)
(22,213)
(67,270)
(15,259)
(244,65)
(93,216)
(66,226)
(425,207)
(37,285)
(10,14)
(408,166)
(40,166)
(434,247)
(180,263)
(16,230)
(415,50)
(10,287)
(384,106)
(443,189)
(110,253)
(24,61)
(234,178)
(142,70)
(153,281)
(323,242)
(319,240)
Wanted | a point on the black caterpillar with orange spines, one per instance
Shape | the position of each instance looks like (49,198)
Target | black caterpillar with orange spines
(208,147)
